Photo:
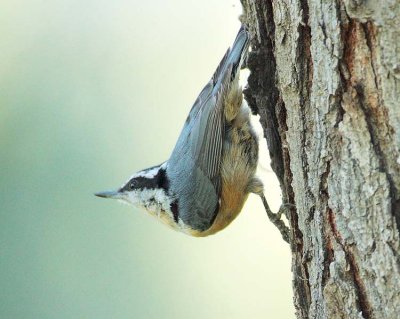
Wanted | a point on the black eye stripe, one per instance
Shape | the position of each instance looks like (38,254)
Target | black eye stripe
(143,182)
(159,180)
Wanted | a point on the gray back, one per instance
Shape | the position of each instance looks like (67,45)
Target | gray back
(195,163)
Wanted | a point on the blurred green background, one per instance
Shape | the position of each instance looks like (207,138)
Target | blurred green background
(90,92)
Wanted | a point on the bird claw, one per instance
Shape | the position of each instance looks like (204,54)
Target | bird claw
(276,218)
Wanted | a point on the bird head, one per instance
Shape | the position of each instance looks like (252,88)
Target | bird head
(147,188)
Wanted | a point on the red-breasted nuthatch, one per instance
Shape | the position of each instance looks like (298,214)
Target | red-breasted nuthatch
(203,186)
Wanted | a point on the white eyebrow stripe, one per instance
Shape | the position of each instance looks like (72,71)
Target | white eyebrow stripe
(164,165)
(147,173)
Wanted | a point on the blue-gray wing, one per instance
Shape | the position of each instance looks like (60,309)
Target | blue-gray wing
(195,163)
(207,135)
(206,118)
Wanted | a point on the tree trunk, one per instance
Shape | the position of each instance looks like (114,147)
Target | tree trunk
(325,79)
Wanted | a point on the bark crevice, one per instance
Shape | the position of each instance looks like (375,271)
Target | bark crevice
(325,81)
(375,141)
(261,92)
(362,298)
(368,96)
(264,98)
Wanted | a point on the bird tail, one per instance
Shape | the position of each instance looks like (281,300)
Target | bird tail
(233,57)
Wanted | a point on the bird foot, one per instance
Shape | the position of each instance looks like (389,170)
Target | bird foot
(276,218)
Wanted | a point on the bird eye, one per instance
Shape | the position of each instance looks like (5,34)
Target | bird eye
(132,184)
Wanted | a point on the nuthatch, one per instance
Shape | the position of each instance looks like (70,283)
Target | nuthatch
(204,184)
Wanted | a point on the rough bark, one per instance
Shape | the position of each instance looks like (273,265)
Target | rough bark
(325,79)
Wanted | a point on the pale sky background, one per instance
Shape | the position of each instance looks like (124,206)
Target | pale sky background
(90,92)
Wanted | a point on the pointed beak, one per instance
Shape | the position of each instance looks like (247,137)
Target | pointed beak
(109,194)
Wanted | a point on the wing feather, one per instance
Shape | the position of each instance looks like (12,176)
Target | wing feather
(195,163)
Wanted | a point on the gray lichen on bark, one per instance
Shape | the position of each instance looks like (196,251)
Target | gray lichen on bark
(325,81)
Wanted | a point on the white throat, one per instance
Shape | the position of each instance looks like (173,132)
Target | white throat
(153,200)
